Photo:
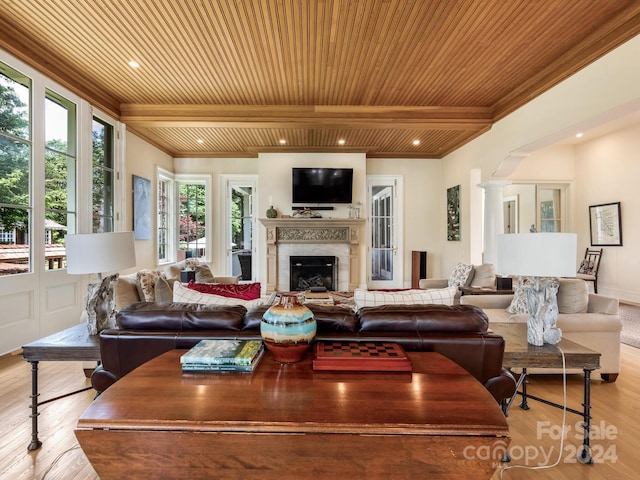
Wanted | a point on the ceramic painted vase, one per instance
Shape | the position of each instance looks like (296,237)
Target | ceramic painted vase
(288,328)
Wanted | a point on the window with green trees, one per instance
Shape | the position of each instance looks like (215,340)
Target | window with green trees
(15,164)
(165,224)
(192,212)
(60,173)
(103,175)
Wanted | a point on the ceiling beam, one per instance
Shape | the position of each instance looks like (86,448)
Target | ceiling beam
(293,116)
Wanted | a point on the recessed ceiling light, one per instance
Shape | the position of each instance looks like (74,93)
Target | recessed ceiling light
(578,135)
(282,141)
(416,142)
(134,64)
(341,141)
(200,140)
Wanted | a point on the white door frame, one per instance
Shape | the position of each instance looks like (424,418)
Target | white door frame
(396,183)
(228,182)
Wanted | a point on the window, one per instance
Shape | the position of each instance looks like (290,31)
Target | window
(550,201)
(103,175)
(60,176)
(192,218)
(540,207)
(165,219)
(15,170)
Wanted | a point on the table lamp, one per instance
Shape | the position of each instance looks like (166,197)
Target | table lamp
(539,255)
(97,253)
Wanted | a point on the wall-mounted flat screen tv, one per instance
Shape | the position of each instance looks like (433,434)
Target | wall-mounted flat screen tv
(322,185)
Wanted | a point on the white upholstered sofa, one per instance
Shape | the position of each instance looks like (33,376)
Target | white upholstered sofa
(589,319)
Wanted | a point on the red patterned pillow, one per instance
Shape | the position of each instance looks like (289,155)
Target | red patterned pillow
(242,291)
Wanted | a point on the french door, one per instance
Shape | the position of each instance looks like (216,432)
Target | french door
(385,231)
(240,221)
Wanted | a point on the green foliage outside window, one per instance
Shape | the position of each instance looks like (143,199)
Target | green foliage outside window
(192,214)
(15,154)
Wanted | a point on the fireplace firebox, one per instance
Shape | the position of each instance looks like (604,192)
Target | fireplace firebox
(315,271)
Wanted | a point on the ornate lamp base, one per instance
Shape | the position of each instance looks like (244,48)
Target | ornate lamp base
(542,304)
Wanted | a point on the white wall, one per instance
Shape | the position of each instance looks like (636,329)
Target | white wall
(142,159)
(424,205)
(606,89)
(274,171)
(608,169)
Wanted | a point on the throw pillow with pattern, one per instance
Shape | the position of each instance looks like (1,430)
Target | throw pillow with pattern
(183,294)
(147,284)
(460,275)
(372,298)
(243,291)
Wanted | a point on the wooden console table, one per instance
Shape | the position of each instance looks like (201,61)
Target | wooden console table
(288,422)
(72,344)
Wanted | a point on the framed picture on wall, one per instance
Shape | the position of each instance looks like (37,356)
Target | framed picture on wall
(453,213)
(605,225)
(141,208)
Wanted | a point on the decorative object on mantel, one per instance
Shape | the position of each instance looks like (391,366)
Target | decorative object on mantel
(98,253)
(354,210)
(272,212)
(288,329)
(538,255)
(306,213)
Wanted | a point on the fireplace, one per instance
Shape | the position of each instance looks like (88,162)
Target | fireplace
(338,237)
(309,271)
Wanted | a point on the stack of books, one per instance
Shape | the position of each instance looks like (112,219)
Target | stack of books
(322,297)
(223,356)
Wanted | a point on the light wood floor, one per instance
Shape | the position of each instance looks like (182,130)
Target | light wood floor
(534,433)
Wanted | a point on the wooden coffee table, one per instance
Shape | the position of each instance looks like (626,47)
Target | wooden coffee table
(519,354)
(289,422)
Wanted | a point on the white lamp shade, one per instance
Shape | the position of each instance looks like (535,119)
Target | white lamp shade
(100,252)
(537,254)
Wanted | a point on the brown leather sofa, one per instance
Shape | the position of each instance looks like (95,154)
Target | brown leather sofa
(148,329)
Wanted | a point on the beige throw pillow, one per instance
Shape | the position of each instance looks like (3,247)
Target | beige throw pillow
(126,290)
(204,274)
(164,289)
(484,276)
(573,296)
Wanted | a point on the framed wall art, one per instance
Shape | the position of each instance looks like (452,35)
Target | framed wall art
(141,208)
(453,213)
(605,225)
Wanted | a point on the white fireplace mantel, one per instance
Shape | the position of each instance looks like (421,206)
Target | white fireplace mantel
(312,231)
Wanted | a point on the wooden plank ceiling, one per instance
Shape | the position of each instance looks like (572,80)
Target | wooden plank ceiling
(230,78)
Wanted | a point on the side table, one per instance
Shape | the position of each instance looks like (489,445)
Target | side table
(519,354)
(483,291)
(72,344)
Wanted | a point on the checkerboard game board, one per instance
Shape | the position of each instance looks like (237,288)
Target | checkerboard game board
(360,356)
